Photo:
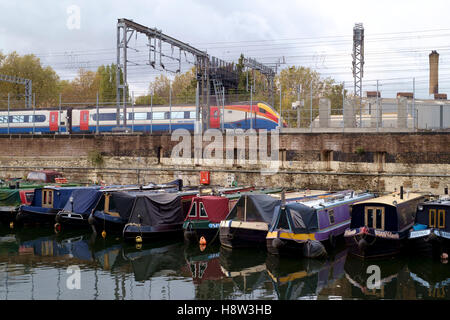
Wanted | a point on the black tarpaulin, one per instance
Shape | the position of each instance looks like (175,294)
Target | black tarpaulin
(122,203)
(296,217)
(157,209)
(254,207)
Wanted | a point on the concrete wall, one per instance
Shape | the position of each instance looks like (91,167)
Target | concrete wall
(378,162)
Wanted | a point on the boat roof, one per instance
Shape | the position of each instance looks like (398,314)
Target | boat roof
(390,198)
(443,202)
(301,194)
(335,201)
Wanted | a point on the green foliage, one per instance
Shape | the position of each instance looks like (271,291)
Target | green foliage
(44,80)
(96,158)
(360,151)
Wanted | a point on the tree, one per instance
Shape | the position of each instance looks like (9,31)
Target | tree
(83,89)
(44,80)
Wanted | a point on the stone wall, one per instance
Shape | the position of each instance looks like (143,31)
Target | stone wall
(378,162)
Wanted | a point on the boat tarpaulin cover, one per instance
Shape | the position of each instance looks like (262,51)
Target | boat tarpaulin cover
(122,202)
(157,209)
(10,198)
(302,219)
(254,207)
(83,200)
(60,196)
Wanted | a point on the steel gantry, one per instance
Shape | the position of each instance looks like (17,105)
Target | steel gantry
(28,87)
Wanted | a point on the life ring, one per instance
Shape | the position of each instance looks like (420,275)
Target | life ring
(57,227)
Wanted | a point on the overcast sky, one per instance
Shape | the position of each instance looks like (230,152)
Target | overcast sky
(399,35)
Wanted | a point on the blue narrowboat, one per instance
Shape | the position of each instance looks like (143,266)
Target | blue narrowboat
(47,202)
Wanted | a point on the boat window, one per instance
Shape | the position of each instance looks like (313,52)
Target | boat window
(432,218)
(331,216)
(441,214)
(193,212)
(47,198)
(203,213)
(374,217)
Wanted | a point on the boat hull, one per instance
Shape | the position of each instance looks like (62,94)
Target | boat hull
(103,222)
(170,231)
(432,243)
(370,246)
(242,235)
(29,215)
(72,221)
(194,230)
(8,214)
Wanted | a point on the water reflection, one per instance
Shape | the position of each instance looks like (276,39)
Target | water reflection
(34,262)
(305,278)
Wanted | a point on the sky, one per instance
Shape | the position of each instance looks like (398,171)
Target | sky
(399,35)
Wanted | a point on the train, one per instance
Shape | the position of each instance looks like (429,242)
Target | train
(158,118)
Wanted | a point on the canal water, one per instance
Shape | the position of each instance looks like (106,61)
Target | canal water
(36,263)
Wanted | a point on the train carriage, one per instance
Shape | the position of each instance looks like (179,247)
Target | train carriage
(139,118)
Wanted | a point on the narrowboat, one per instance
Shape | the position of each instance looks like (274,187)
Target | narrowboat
(380,227)
(76,211)
(155,216)
(303,228)
(431,233)
(248,222)
(11,200)
(114,208)
(47,202)
(204,216)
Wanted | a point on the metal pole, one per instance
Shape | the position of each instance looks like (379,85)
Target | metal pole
(132,111)
(281,110)
(378,109)
(8,113)
(299,105)
(251,107)
(311,106)
(97,129)
(197,107)
(59,115)
(414,104)
(170,107)
(151,112)
(343,106)
(34,112)
(118,78)
(223,109)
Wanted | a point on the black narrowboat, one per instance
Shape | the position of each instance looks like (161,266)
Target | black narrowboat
(380,227)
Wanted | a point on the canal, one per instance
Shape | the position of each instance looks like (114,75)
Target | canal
(36,263)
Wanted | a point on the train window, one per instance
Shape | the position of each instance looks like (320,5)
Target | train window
(158,115)
(177,115)
(38,118)
(261,110)
(166,115)
(17,119)
(3,119)
(186,115)
(140,116)
(216,114)
(192,115)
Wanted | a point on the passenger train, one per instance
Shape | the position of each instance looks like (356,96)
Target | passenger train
(139,118)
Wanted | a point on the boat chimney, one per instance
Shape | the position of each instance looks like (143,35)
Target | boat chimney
(401,192)
(283,198)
